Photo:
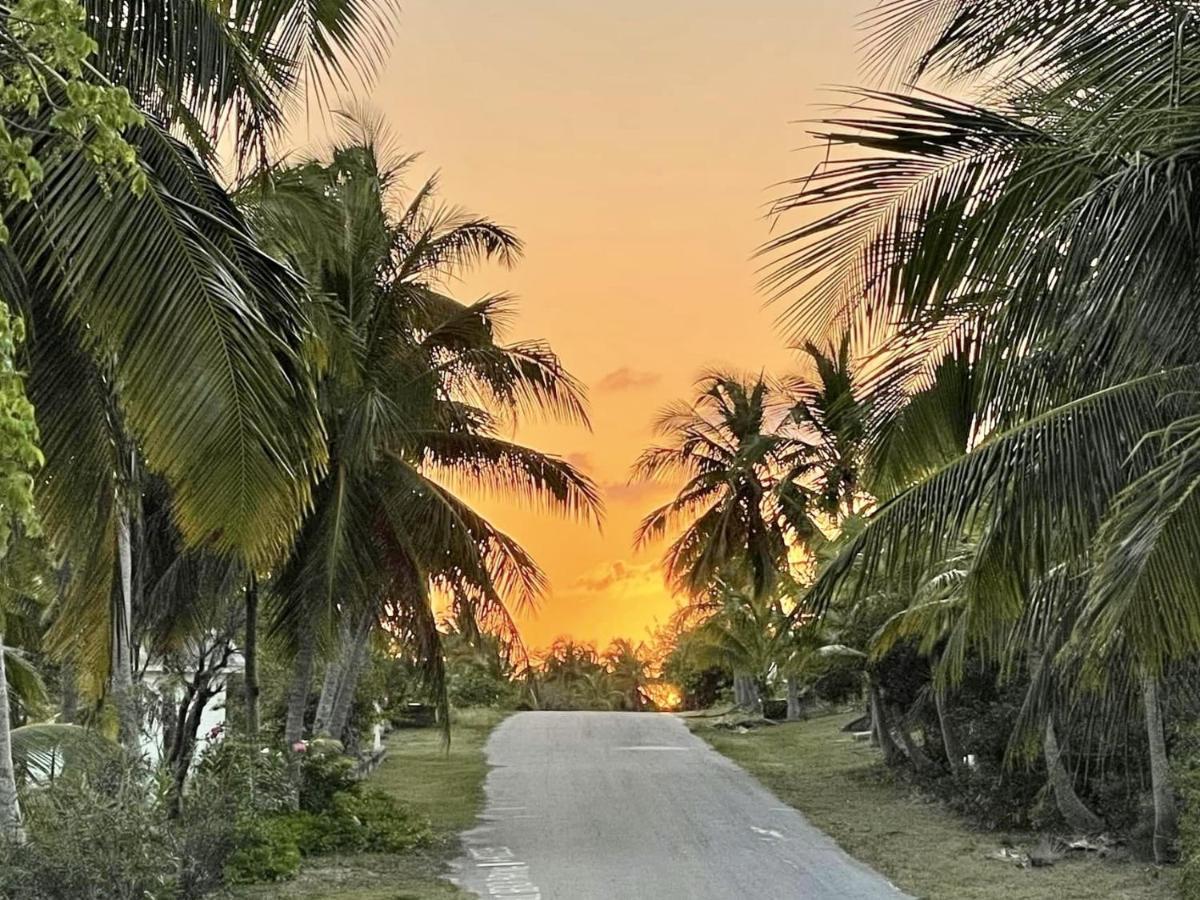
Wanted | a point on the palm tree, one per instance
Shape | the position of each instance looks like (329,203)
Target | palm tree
(1054,228)
(161,336)
(739,631)
(416,388)
(743,500)
(628,668)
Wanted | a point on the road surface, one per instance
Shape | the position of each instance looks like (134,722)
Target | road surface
(624,806)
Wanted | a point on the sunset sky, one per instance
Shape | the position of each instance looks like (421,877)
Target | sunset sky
(633,146)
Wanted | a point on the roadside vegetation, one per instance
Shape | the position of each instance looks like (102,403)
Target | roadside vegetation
(242,412)
(880,817)
(976,492)
(444,788)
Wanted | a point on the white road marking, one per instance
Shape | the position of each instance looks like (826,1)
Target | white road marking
(767,833)
(507,876)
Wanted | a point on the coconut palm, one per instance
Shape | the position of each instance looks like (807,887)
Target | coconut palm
(1054,227)
(161,336)
(744,499)
(416,389)
(628,667)
(741,632)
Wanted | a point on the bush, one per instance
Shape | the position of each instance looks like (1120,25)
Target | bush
(95,835)
(266,850)
(324,771)
(1186,772)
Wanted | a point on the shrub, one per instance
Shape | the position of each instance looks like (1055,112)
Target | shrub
(357,821)
(1186,771)
(266,850)
(94,835)
(324,771)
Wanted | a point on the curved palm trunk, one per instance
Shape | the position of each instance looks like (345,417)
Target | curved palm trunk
(343,702)
(795,709)
(745,692)
(331,683)
(298,690)
(881,727)
(10,807)
(912,748)
(1166,814)
(954,751)
(1070,807)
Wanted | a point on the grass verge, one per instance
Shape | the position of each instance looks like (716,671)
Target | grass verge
(447,788)
(925,849)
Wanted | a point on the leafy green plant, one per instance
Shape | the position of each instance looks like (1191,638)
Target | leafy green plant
(1186,769)
(97,835)
(267,850)
(324,773)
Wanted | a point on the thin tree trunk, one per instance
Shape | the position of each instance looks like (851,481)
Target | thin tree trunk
(250,654)
(297,706)
(10,807)
(122,638)
(795,710)
(1166,814)
(892,754)
(954,751)
(1072,809)
(343,703)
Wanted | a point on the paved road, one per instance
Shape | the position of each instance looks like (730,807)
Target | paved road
(624,806)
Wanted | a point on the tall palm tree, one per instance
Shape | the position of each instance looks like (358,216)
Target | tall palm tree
(1054,227)
(744,499)
(416,388)
(161,335)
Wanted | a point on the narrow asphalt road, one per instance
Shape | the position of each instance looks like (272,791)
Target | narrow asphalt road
(601,806)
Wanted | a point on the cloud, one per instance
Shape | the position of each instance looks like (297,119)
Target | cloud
(618,572)
(638,492)
(582,461)
(627,379)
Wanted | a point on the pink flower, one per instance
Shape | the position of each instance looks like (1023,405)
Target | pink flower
(299,747)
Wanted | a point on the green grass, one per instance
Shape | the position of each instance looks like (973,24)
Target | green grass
(926,850)
(447,788)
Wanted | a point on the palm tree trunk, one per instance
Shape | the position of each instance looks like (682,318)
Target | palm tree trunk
(881,727)
(250,654)
(795,710)
(1166,814)
(332,681)
(298,690)
(954,751)
(69,692)
(10,807)
(912,747)
(343,703)
(1070,807)
(121,679)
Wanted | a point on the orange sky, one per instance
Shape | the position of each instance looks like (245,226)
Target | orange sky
(632,145)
